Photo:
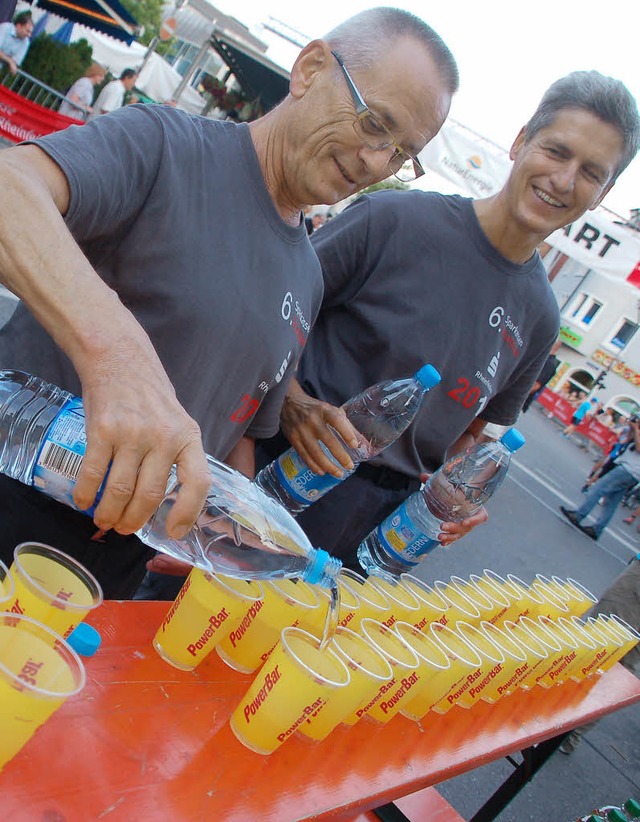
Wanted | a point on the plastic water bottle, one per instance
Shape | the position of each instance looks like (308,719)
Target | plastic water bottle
(459,488)
(240,532)
(379,414)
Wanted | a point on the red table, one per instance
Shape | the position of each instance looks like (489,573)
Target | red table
(145,741)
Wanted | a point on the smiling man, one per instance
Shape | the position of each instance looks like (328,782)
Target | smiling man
(166,273)
(414,277)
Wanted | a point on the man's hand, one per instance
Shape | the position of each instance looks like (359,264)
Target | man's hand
(307,422)
(452,531)
(13,66)
(136,425)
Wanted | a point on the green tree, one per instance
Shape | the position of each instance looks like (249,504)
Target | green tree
(147,13)
(385,184)
(56,64)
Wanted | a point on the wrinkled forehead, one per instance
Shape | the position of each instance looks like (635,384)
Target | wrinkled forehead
(406,89)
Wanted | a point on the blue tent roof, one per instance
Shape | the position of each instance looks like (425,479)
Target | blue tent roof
(106,16)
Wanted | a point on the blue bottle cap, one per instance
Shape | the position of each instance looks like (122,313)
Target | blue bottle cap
(84,639)
(428,376)
(512,439)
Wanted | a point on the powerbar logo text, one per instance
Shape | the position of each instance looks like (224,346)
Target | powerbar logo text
(251,708)
(215,621)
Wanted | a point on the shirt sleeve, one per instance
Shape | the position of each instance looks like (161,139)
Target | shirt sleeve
(505,406)
(111,164)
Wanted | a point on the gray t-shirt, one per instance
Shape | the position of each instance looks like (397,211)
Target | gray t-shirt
(174,214)
(410,278)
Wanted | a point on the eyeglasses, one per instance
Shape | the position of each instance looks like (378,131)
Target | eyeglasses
(376,136)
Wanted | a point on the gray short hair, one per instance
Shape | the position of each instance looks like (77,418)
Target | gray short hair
(605,97)
(361,38)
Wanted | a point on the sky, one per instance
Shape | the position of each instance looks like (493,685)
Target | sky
(508,53)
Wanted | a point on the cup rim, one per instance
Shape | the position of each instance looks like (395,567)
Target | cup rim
(315,641)
(347,576)
(407,627)
(573,583)
(58,645)
(359,638)
(487,627)
(412,605)
(428,590)
(7,578)
(553,628)
(384,629)
(223,581)
(444,594)
(525,621)
(445,628)
(71,564)
(495,596)
(514,590)
(476,595)
(276,583)
(529,641)
(579,634)
(481,652)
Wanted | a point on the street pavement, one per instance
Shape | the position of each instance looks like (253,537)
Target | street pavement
(525,535)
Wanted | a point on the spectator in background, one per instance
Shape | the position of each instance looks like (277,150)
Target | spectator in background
(318,221)
(14,40)
(607,463)
(612,487)
(112,95)
(80,95)
(586,408)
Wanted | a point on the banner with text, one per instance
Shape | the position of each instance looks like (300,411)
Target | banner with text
(600,244)
(22,119)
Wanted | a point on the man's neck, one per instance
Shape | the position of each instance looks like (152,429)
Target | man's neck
(503,233)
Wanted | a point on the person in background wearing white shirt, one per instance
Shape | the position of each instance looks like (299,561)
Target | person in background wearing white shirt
(112,95)
(80,95)
(14,40)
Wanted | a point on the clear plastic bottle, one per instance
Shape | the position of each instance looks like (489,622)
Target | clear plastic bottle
(461,486)
(240,532)
(379,414)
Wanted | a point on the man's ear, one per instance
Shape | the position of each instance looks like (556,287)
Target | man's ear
(314,58)
(517,145)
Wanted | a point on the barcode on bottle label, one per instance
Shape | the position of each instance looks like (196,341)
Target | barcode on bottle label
(58,464)
(60,460)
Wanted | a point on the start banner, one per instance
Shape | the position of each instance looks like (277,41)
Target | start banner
(22,119)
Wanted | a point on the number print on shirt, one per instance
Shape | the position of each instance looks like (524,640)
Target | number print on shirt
(466,394)
(247,408)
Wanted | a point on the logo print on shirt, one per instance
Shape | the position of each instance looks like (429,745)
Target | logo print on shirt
(507,328)
(493,364)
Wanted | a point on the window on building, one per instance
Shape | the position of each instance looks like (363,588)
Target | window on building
(583,310)
(621,334)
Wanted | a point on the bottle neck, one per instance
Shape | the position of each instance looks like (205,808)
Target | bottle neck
(322,569)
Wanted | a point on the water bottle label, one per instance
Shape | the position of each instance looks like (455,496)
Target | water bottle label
(300,481)
(61,454)
(402,539)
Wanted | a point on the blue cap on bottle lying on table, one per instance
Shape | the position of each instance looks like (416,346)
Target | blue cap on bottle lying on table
(84,639)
